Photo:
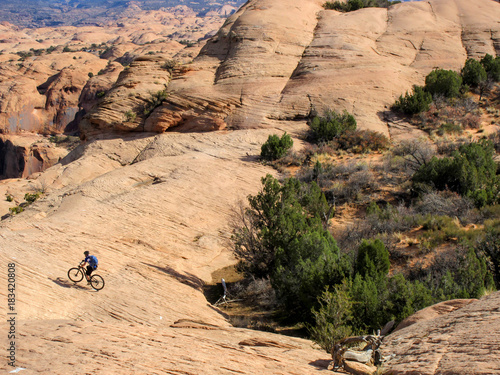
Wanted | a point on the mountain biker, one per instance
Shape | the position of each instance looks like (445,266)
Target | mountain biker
(91,261)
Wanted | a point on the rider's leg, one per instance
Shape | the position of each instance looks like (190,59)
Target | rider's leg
(88,273)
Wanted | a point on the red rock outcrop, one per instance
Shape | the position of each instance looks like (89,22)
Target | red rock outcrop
(463,341)
(274,61)
(42,95)
(22,156)
(136,94)
(434,311)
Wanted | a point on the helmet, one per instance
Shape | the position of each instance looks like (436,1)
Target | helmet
(86,253)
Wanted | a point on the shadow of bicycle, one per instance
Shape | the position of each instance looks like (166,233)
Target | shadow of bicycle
(67,283)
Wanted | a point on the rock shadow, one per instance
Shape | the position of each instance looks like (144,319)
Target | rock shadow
(321,364)
(250,158)
(79,151)
(218,311)
(187,278)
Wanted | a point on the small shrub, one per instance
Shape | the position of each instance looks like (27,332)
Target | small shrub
(450,128)
(372,259)
(331,125)
(292,158)
(349,6)
(443,82)
(276,147)
(130,116)
(169,65)
(448,146)
(352,5)
(351,187)
(101,94)
(473,73)
(416,152)
(471,121)
(16,210)
(155,101)
(257,292)
(31,197)
(412,103)
(332,318)
(446,203)
(9,198)
(359,141)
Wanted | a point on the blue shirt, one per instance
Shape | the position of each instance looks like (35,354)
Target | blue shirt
(92,261)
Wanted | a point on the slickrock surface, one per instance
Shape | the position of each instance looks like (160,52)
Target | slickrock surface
(276,60)
(155,211)
(434,311)
(67,347)
(464,341)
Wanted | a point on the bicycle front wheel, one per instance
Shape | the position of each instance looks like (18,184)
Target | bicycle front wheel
(97,282)
(75,274)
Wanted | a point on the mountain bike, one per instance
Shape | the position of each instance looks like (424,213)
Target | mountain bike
(76,274)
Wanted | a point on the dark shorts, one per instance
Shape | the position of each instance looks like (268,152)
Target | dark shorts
(90,269)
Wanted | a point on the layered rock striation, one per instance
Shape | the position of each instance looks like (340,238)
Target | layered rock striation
(463,340)
(274,61)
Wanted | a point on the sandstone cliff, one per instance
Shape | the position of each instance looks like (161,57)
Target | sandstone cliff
(274,61)
(154,208)
(51,77)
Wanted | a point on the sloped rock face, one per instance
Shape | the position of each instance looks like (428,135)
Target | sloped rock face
(131,100)
(434,311)
(97,86)
(154,209)
(277,60)
(250,60)
(22,156)
(62,92)
(42,96)
(464,341)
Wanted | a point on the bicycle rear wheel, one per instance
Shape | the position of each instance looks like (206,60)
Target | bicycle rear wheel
(75,274)
(97,282)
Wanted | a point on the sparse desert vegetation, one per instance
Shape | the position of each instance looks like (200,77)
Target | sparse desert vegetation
(352,214)
(347,243)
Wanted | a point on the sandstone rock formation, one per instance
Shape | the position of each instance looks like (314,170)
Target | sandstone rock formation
(275,61)
(154,209)
(137,92)
(434,311)
(42,95)
(464,341)
(45,69)
(21,156)
(51,77)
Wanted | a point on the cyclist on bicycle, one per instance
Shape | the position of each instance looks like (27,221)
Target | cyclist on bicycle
(91,261)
